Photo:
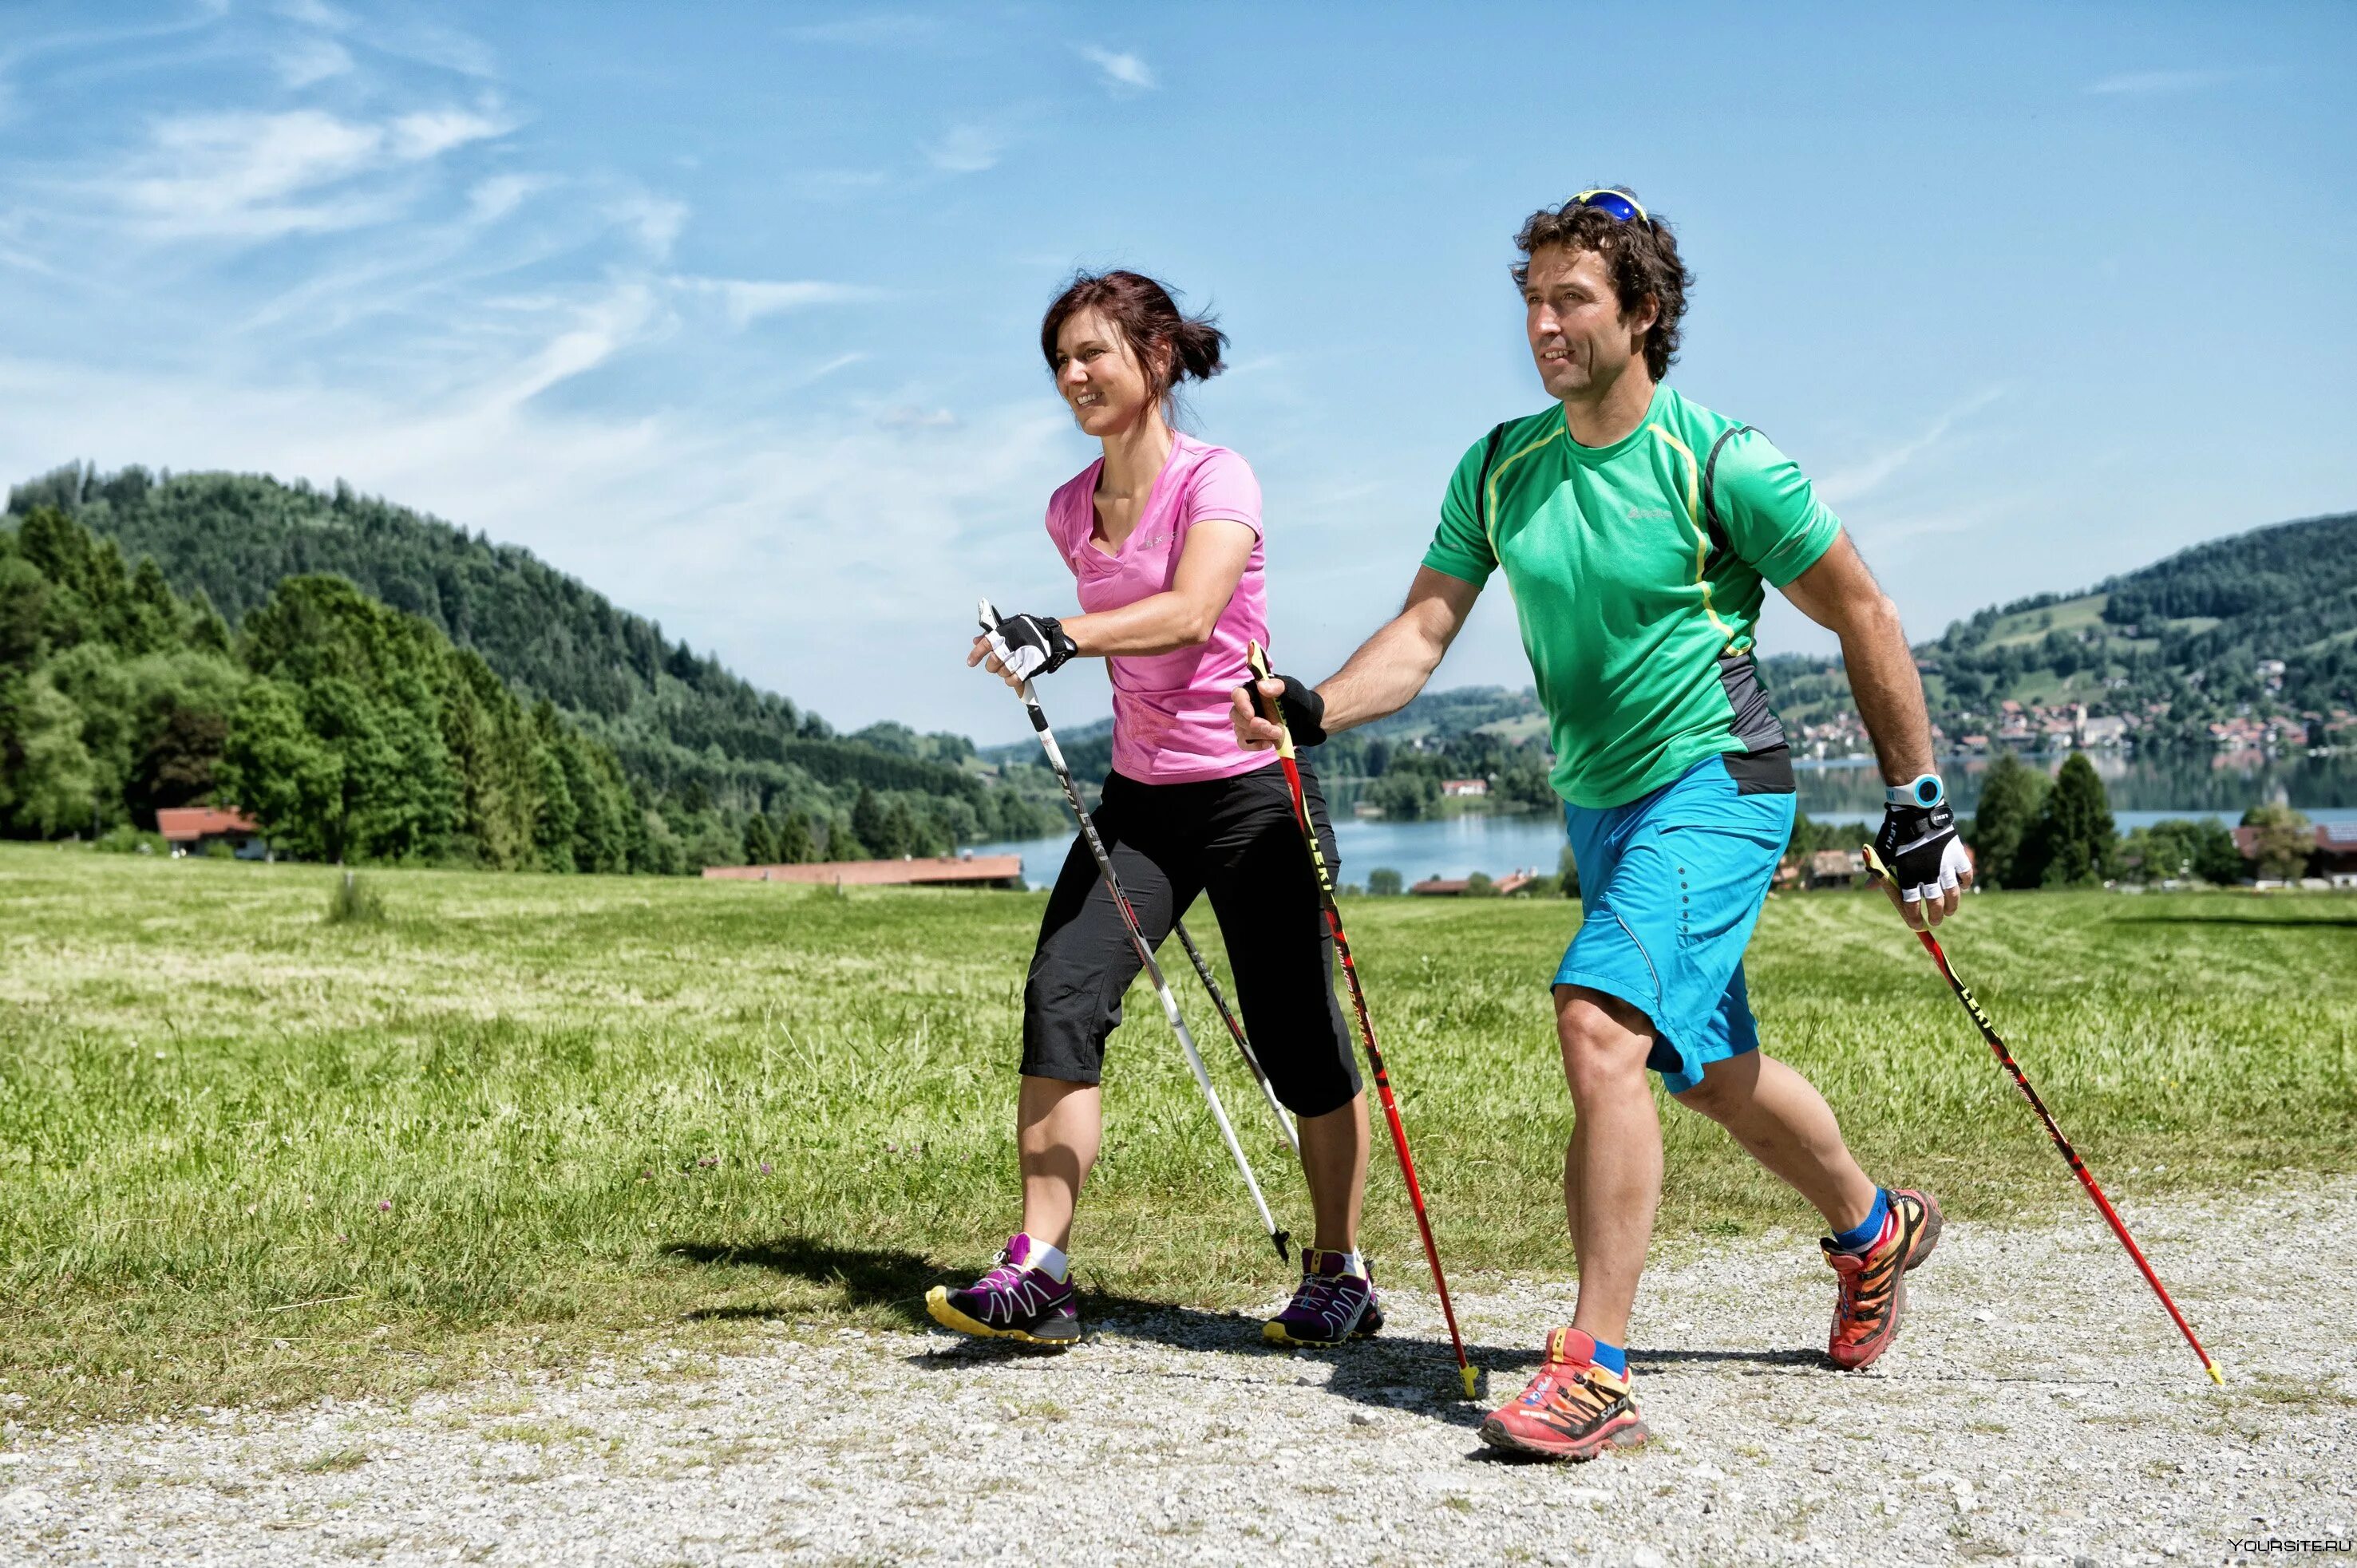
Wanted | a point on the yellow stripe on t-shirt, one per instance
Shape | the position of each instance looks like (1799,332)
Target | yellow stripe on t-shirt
(1490,512)
(1701,536)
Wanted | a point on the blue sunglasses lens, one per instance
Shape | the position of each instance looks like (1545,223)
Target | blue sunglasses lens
(1613,202)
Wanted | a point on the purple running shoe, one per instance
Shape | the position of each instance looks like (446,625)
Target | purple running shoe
(1330,1307)
(1011,1301)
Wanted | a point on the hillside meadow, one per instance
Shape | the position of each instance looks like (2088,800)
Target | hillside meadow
(248,1154)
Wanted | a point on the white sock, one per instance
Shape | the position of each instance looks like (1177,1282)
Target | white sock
(1049,1261)
(1354,1264)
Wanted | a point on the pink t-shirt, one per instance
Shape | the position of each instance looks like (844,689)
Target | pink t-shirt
(1170,710)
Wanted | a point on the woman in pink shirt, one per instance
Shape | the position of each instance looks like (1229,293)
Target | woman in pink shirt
(1163,533)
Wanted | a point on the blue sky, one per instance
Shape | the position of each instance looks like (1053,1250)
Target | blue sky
(731,310)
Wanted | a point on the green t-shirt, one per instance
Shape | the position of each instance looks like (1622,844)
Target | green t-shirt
(1638,622)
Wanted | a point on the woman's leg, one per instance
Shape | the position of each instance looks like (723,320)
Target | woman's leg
(1072,1002)
(1057,1126)
(1258,876)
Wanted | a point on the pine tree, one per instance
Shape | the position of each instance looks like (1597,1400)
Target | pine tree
(796,844)
(867,822)
(2074,827)
(760,843)
(2011,794)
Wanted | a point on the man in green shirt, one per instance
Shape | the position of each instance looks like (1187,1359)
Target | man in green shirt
(1640,532)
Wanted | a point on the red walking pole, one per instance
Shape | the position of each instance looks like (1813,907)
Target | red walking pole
(2078,1167)
(1258,662)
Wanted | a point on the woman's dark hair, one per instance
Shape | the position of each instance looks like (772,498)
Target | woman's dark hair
(1170,348)
(1641,256)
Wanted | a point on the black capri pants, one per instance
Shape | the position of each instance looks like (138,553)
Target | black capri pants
(1237,840)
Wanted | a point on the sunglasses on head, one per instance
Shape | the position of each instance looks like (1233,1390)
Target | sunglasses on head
(1618,205)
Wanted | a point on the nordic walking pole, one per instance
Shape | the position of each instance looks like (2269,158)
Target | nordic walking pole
(2078,1167)
(1258,662)
(989,618)
(1236,1031)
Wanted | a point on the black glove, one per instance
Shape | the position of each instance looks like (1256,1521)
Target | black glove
(1032,645)
(1920,846)
(1299,708)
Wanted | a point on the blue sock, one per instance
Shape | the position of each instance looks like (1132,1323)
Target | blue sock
(1862,1235)
(1613,1358)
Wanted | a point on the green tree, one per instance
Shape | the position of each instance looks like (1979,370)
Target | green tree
(559,818)
(275,770)
(867,825)
(760,841)
(2284,841)
(2074,827)
(2178,848)
(1567,872)
(796,844)
(2012,794)
(1383,882)
(50,782)
(1480,885)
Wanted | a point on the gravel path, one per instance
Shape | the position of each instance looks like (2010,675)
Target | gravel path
(2038,1406)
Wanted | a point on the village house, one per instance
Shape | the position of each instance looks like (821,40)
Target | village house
(1465,788)
(193,829)
(1455,888)
(915,871)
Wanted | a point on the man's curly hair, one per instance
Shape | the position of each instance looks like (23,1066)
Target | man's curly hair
(1641,256)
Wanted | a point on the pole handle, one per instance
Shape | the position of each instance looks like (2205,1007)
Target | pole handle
(1256,661)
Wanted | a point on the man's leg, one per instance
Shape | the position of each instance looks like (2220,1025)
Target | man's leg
(1612,1166)
(1780,1119)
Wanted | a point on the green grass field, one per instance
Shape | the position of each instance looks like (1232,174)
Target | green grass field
(247,1154)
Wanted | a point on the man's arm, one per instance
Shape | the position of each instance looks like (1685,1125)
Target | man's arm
(1389,669)
(1839,594)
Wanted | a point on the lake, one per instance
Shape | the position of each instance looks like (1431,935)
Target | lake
(2143,790)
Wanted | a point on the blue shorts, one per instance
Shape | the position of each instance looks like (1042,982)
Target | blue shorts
(1671,885)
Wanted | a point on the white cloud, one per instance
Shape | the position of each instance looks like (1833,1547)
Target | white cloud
(1863,477)
(884,28)
(430,132)
(906,416)
(495,197)
(656,220)
(1123,73)
(749,300)
(2153,81)
(307,61)
(966,149)
(256,176)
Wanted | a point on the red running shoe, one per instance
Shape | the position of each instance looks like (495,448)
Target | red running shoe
(1573,1410)
(1874,1282)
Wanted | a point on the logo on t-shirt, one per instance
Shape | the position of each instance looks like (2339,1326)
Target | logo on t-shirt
(1640,513)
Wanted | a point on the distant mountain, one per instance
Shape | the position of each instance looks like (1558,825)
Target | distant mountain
(681,722)
(2244,639)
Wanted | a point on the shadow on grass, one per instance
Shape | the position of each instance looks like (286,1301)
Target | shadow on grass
(889,1277)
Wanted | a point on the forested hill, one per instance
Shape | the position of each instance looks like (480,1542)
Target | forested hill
(676,720)
(2247,639)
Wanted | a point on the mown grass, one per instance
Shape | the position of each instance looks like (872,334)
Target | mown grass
(249,1155)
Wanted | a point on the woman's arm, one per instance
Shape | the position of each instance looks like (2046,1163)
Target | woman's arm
(1182,616)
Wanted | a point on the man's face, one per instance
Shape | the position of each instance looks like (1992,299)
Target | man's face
(1579,338)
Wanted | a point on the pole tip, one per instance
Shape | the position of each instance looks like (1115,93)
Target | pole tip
(1472,1377)
(1283,1238)
(2216,1376)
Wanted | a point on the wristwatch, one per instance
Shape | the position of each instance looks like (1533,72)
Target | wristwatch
(1923,792)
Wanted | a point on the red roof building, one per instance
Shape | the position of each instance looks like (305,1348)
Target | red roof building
(191,830)
(928,871)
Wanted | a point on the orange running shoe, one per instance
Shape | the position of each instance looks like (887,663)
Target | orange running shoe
(1874,1282)
(1573,1410)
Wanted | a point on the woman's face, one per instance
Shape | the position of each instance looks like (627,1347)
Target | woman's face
(1100,380)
